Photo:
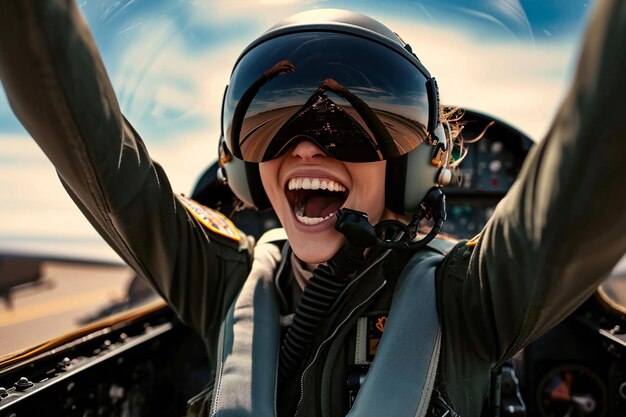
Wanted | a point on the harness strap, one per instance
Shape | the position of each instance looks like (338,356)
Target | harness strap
(400,381)
(248,347)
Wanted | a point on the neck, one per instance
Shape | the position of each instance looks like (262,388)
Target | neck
(303,271)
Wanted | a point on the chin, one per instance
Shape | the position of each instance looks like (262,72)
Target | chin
(315,251)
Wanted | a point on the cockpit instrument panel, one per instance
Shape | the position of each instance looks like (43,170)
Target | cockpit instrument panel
(485,175)
(576,369)
(579,367)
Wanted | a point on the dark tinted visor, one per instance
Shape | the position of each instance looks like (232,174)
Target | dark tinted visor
(358,100)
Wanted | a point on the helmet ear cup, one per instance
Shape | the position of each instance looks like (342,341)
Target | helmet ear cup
(244,180)
(255,187)
(420,177)
(411,176)
(234,172)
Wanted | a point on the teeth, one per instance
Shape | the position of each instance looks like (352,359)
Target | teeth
(304,183)
(310,220)
(315,184)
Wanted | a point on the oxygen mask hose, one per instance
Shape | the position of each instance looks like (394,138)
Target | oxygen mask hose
(322,290)
(432,207)
(328,281)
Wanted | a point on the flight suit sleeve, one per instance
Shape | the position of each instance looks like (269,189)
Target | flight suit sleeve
(562,226)
(58,88)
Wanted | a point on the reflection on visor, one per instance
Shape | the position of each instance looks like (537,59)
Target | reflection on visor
(358,100)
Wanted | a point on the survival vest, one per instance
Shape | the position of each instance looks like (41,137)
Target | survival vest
(408,352)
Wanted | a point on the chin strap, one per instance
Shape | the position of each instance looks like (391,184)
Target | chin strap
(328,281)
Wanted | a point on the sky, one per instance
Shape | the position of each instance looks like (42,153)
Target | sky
(169,63)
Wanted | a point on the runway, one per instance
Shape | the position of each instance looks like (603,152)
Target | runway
(64,296)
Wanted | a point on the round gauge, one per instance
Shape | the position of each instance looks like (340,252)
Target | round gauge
(496,167)
(612,292)
(571,391)
(607,308)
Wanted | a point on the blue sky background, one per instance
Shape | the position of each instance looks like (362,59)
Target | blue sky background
(169,62)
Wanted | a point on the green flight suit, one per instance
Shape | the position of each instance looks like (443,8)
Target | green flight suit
(558,232)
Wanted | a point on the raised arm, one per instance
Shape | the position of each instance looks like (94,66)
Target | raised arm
(58,87)
(562,226)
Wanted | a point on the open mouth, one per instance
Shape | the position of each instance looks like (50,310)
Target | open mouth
(315,200)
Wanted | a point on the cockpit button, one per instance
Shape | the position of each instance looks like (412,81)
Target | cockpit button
(23,383)
(495,166)
(496,147)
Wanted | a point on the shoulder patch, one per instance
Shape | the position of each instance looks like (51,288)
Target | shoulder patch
(211,219)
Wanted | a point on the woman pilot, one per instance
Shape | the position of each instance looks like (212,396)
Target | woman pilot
(332,121)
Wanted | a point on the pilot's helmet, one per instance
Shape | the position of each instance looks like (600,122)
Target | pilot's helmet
(345,82)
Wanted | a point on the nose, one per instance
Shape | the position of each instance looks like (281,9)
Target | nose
(307,150)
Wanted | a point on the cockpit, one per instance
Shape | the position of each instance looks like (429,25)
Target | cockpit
(82,335)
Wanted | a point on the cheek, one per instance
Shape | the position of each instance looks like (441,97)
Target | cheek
(370,187)
(269,172)
(269,178)
(376,202)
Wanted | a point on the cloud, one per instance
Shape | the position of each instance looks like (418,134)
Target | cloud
(187,158)
(494,20)
(520,83)
(167,85)
(171,90)
(512,12)
(34,202)
(173,86)
(261,14)
(153,71)
(19,149)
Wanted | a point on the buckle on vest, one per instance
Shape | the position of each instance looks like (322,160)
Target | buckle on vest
(438,407)
(356,377)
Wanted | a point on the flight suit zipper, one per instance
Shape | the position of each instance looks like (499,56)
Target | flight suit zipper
(220,369)
(332,335)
